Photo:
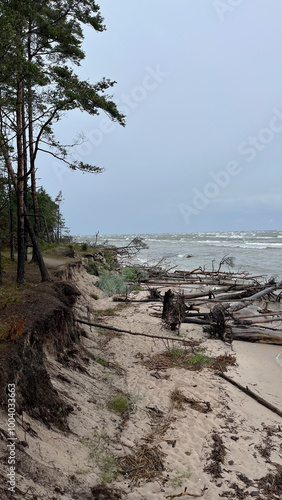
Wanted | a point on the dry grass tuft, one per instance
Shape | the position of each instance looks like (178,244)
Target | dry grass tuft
(178,358)
(145,464)
(179,400)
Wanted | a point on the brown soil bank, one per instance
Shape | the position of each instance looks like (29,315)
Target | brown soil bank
(35,318)
(43,320)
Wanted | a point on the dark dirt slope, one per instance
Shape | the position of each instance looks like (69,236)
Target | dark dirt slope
(41,317)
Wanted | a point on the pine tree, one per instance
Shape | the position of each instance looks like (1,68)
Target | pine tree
(41,41)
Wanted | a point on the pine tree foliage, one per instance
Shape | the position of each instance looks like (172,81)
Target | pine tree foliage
(40,44)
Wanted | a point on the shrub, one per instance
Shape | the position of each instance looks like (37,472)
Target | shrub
(175,351)
(112,284)
(199,358)
(111,259)
(92,268)
(134,273)
(44,246)
(118,404)
(102,362)
(84,247)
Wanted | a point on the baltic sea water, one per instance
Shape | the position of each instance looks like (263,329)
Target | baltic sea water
(255,252)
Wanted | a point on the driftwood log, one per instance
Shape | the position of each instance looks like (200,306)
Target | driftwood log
(244,303)
(253,334)
(119,330)
(252,394)
(223,322)
(219,324)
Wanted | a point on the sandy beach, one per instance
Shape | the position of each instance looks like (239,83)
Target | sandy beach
(140,250)
(185,433)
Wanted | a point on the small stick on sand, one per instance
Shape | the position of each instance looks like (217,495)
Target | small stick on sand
(171,497)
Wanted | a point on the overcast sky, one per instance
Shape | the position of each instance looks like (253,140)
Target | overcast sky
(201,84)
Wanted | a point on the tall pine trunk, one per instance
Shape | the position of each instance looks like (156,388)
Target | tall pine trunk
(25,176)
(11,220)
(0,262)
(20,187)
(32,156)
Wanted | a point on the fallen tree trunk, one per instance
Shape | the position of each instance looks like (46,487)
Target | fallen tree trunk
(233,295)
(196,321)
(197,315)
(260,315)
(258,321)
(215,295)
(130,301)
(107,327)
(253,334)
(252,394)
(244,303)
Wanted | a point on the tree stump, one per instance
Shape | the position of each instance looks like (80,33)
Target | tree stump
(218,323)
(173,310)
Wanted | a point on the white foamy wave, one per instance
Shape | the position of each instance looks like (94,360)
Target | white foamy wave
(243,244)
(262,245)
